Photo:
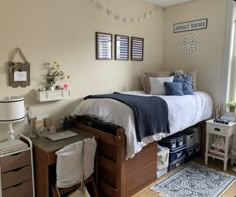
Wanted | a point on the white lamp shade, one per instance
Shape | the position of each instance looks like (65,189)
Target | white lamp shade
(12,109)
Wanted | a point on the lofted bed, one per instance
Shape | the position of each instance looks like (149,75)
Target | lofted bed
(126,165)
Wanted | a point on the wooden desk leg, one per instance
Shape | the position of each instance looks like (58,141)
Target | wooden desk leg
(41,172)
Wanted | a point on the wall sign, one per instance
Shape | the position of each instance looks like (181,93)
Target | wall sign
(191,25)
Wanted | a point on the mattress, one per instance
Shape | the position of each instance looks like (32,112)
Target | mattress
(183,112)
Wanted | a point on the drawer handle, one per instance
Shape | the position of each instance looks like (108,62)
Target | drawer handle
(179,154)
(216,129)
(177,164)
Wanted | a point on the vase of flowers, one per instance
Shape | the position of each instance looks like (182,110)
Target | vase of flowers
(53,75)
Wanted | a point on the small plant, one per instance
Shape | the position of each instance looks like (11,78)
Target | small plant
(54,74)
(231,105)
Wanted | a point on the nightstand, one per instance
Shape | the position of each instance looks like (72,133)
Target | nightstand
(213,130)
(17,173)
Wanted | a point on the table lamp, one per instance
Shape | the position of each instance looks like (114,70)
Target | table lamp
(12,110)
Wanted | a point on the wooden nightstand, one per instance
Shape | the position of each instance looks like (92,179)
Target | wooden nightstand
(45,159)
(17,173)
(216,129)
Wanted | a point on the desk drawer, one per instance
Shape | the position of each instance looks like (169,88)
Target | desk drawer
(17,176)
(15,161)
(24,189)
(216,128)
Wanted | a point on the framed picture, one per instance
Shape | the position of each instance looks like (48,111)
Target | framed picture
(137,47)
(103,46)
(121,47)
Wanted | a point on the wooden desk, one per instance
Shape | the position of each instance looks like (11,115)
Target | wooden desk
(45,157)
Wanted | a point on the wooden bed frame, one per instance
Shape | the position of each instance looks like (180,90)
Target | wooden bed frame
(118,177)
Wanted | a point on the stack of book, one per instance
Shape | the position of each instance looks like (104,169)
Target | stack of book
(216,151)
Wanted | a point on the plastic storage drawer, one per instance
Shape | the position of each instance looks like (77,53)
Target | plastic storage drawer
(176,153)
(162,172)
(163,157)
(176,163)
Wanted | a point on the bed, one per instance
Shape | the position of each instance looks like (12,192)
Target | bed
(124,164)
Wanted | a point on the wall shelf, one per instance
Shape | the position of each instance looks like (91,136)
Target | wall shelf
(52,95)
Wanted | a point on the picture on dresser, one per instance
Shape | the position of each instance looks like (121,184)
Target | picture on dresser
(103,46)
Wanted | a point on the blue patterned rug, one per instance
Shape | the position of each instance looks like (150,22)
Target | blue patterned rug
(194,181)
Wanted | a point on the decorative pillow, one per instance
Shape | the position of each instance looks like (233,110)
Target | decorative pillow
(194,76)
(157,84)
(143,83)
(154,74)
(187,81)
(174,88)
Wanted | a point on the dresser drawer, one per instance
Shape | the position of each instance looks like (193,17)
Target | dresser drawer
(24,189)
(16,176)
(15,161)
(217,129)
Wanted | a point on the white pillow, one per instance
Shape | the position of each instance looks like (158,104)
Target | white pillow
(157,84)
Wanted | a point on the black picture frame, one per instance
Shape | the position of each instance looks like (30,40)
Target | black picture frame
(121,47)
(103,46)
(137,49)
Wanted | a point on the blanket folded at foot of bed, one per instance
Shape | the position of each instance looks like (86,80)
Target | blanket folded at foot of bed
(150,113)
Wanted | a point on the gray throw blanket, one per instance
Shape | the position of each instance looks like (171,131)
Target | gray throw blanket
(150,113)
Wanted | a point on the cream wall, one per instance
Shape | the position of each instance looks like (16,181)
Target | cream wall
(209,59)
(48,30)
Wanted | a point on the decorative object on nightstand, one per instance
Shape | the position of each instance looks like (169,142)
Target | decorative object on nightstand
(17,172)
(218,137)
(12,110)
(231,105)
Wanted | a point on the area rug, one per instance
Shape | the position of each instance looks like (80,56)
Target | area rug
(194,181)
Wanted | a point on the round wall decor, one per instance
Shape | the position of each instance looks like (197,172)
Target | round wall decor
(188,45)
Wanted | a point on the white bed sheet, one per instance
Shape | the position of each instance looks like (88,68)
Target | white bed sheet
(183,112)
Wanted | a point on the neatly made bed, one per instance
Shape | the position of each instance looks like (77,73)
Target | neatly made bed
(119,175)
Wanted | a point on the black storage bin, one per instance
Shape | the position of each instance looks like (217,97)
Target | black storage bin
(197,150)
(176,153)
(173,141)
(190,153)
(176,163)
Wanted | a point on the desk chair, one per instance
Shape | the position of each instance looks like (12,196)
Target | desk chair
(75,163)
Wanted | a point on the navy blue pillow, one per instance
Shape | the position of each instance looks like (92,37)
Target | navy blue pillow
(174,88)
(187,81)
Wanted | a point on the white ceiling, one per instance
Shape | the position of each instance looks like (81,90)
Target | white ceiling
(167,3)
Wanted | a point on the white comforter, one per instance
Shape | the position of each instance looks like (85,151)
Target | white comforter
(184,111)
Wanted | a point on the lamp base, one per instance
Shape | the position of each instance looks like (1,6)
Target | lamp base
(10,132)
